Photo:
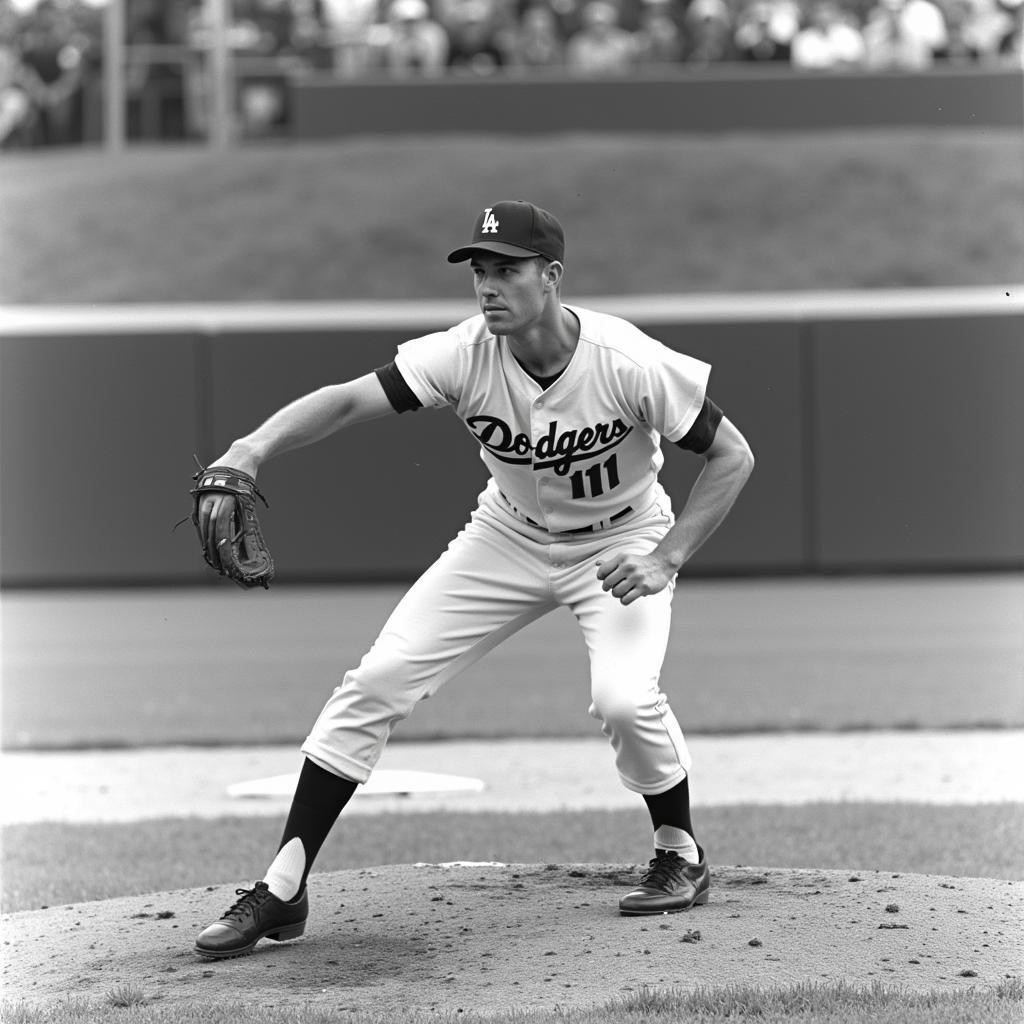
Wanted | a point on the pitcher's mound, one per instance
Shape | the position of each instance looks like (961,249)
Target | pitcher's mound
(491,937)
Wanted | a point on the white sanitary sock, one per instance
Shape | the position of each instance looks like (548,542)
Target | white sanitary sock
(668,837)
(284,876)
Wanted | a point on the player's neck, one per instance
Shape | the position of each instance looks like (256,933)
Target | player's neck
(546,347)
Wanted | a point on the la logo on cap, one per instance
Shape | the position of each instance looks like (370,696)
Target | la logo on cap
(491,223)
(514,228)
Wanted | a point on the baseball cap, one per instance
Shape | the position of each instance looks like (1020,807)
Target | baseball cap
(514,228)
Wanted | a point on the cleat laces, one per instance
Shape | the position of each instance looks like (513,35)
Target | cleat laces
(252,899)
(664,871)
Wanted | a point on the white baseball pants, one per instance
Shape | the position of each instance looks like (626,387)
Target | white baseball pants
(498,575)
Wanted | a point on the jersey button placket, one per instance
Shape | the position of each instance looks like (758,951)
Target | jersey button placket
(537,431)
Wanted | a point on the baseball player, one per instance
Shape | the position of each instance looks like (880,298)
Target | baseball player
(568,407)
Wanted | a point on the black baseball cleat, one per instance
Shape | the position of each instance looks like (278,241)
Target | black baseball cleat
(259,914)
(669,885)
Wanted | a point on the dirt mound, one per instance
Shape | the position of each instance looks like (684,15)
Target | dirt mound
(489,937)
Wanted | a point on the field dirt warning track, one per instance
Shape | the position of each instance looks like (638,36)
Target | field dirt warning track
(491,937)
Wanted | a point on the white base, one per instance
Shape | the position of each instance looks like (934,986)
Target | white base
(381,783)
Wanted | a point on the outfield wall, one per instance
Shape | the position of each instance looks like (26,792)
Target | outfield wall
(887,429)
(726,98)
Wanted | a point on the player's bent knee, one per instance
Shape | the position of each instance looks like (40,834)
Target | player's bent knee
(616,711)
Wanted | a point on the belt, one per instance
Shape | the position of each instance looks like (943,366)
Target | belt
(596,527)
(593,528)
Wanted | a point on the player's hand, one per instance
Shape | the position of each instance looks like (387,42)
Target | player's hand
(628,576)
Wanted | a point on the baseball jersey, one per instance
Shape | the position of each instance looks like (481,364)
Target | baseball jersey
(583,451)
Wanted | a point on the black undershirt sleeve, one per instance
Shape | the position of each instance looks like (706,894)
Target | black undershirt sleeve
(400,395)
(700,436)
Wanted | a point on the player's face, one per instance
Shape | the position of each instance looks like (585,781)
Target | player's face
(512,293)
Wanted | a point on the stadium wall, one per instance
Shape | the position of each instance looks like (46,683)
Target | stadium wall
(732,97)
(886,428)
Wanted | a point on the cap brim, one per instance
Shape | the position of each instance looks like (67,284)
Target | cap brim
(501,248)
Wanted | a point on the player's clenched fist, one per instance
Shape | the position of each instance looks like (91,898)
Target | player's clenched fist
(630,576)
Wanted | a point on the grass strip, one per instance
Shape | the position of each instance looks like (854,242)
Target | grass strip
(47,865)
(806,1003)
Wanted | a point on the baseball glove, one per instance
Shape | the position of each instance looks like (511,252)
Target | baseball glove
(224,515)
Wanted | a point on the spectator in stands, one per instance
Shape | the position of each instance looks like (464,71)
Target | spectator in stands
(449,12)
(975,29)
(1010,46)
(473,41)
(411,42)
(568,14)
(16,110)
(536,42)
(658,38)
(348,26)
(904,35)
(964,43)
(261,38)
(832,40)
(262,26)
(765,30)
(601,46)
(310,28)
(709,32)
(52,58)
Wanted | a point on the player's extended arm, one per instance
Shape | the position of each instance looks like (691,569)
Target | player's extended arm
(728,463)
(308,419)
(224,498)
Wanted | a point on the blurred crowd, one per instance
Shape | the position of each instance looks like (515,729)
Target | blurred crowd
(51,50)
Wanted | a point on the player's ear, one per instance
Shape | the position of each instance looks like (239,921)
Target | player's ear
(552,273)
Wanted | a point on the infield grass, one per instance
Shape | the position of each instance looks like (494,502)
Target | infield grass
(808,1003)
(46,865)
(372,218)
